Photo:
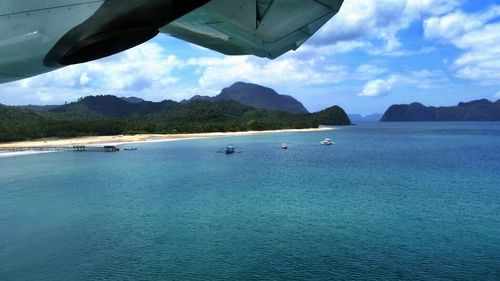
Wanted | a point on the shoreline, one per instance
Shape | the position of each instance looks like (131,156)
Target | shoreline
(120,140)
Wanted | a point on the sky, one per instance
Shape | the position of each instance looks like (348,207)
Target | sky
(372,54)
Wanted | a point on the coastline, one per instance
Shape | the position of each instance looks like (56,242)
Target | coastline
(120,140)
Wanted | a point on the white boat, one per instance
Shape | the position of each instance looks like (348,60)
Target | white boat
(284,145)
(229,149)
(327,141)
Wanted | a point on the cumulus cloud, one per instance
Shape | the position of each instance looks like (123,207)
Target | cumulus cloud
(379,87)
(497,95)
(382,20)
(454,26)
(145,70)
(368,72)
(422,79)
(427,79)
(477,35)
(219,72)
(137,68)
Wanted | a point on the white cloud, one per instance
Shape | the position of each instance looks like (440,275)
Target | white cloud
(426,79)
(137,68)
(380,20)
(219,72)
(497,95)
(144,70)
(368,72)
(477,35)
(379,87)
(422,79)
(85,79)
(454,26)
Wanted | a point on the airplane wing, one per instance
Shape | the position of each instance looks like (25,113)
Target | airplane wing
(38,36)
(265,28)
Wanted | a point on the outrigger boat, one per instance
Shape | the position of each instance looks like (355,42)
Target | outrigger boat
(327,141)
(230,149)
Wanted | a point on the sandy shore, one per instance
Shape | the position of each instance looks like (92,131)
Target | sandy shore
(129,139)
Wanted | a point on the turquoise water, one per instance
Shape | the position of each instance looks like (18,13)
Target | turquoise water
(412,201)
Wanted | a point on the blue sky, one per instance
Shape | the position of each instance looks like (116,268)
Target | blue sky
(371,55)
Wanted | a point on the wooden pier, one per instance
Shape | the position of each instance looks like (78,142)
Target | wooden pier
(79,148)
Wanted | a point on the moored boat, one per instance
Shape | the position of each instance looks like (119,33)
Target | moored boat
(327,141)
(229,149)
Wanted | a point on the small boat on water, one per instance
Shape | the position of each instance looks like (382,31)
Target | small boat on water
(130,149)
(327,141)
(227,150)
(284,145)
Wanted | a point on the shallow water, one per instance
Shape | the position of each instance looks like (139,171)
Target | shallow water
(414,201)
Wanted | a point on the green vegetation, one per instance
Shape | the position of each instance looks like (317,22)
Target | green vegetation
(109,115)
(259,97)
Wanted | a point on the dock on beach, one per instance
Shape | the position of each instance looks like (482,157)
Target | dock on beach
(79,148)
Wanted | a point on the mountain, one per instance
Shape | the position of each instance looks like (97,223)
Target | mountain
(334,115)
(356,117)
(261,97)
(197,97)
(38,107)
(375,117)
(110,107)
(98,106)
(111,115)
(132,99)
(368,118)
(478,110)
(240,107)
(258,97)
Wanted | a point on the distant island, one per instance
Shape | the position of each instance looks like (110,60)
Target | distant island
(478,110)
(111,115)
(355,118)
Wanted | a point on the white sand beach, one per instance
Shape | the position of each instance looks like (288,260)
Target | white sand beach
(130,139)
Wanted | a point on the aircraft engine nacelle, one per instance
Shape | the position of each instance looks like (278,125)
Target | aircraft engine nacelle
(116,26)
(40,36)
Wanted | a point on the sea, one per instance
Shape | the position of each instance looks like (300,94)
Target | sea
(388,201)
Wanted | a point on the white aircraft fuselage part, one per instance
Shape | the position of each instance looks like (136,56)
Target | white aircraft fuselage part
(38,36)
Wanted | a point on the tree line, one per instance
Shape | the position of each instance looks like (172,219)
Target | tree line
(89,117)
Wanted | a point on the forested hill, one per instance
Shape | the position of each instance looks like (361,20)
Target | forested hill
(257,96)
(110,115)
(478,110)
(110,107)
(261,97)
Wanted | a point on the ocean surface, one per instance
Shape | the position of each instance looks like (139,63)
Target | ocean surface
(406,201)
